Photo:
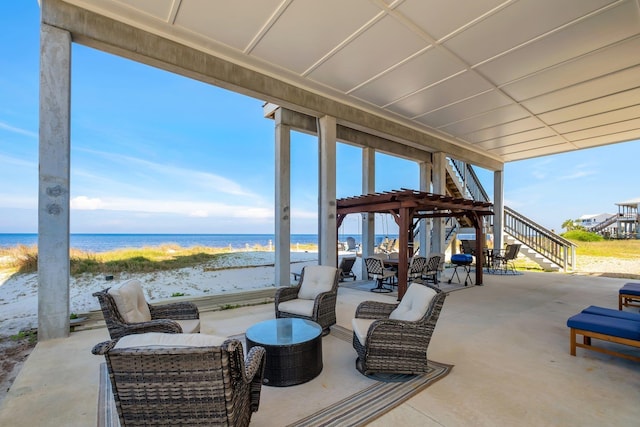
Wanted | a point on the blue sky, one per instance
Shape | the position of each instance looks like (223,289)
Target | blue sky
(153,152)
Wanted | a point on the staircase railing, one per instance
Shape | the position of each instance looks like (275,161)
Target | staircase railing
(472,183)
(547,243)
(604,224)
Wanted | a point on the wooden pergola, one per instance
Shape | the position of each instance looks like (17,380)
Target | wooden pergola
(409,206)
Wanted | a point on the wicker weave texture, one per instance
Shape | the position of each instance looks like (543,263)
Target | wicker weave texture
(162,317)
(396,346)
(185,386)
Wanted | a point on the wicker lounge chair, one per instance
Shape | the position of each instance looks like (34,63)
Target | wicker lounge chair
(346,267)
(126,312)
(393,338)
(183,379)
(313,299)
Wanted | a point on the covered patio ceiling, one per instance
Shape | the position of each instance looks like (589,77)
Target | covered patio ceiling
(408,206)
(486,81)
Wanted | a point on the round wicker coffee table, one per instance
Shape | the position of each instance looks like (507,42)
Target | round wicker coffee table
(293,347)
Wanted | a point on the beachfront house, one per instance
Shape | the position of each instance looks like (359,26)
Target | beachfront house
(448,85)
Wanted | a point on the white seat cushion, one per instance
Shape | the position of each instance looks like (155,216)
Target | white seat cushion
(414,304)
(301,307)
(316,279)
(360,328)
(159,340)
(189,326)
(130,301)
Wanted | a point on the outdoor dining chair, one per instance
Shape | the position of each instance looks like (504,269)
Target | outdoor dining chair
(432,268)
(377,272)
(503,261)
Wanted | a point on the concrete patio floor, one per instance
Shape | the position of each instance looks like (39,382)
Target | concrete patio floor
(507,339)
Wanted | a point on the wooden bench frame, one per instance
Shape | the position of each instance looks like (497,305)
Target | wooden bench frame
(627,300)
(586,343)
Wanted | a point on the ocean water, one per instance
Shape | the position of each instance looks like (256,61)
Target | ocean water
(108,242)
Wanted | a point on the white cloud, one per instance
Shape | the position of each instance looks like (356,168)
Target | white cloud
(84,203)
(14,129)
(199,214)
(168,173)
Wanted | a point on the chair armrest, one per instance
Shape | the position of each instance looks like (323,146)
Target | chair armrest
(155,325)
(254,363)
(102,348)
(178,310)
(286,294)
(374,310)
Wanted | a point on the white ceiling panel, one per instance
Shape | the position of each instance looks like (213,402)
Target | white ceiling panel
(359,61)
(517,23)
(610,26)
(230,25)
(439,18)
(598,63)
(622,114)
(492,118)
(591,108)
(504,129)
(535,149)
(615,82)
(487,76)
(478,104)
(518,138)
(327,28)
(447,92)
(618,127)
(160,9)
(606,139)
(417,73)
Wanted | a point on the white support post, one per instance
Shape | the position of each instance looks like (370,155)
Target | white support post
(54,175)
(425,224)
(439,187)
(327,222)
(498,209)
(282,201)
(368,219)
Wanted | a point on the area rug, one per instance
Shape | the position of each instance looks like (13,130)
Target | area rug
(339,396)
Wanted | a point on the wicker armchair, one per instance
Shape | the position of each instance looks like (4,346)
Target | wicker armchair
(313,299)
(183,379)
(126,312)
(387,344)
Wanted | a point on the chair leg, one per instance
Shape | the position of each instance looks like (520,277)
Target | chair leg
(380,288)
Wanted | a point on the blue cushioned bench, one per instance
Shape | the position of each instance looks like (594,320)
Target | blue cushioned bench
(628,295)
(605,324)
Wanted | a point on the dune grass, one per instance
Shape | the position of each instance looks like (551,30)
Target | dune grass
(24,259)
(623,249)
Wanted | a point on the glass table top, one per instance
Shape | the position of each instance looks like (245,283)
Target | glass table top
(283,331)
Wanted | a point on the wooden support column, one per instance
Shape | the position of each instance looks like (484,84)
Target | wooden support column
(404,228)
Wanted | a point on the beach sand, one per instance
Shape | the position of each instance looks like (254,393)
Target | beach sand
(244,271)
